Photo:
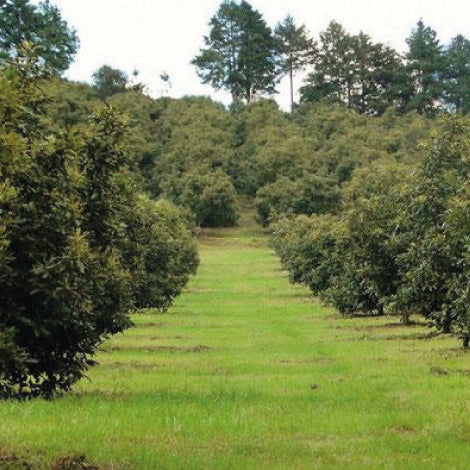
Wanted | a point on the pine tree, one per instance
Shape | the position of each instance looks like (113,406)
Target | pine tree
(331,78)
(424,67)
(240,53)
(457,74)
(373,70)
(354,71)
(296,48)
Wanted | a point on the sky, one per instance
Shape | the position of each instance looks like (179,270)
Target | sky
(153,36)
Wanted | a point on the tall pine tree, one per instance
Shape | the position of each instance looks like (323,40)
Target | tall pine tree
(373,72)
(240,53)
(296,49)
(330,79)
(456,78)
(424,67)
(353,71)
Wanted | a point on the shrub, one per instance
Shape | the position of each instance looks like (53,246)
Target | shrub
(160,253)
(402,241)
(210,196)
(434,266)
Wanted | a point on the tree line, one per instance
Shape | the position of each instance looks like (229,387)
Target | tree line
(245,57)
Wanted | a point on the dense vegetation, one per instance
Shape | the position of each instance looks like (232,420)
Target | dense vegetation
(80,245)
(101,185)
(399,243)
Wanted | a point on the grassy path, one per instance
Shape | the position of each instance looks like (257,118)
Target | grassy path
(247,371)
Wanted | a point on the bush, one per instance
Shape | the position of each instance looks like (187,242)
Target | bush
(160,253)
(210,196)
(434,266)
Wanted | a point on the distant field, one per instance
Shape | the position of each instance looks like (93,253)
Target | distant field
(247,371)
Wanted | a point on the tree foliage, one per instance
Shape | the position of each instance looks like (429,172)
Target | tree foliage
(401,242)
(456,75)
(296,48)
(108,81)
(424,63)
(240,53)
(40,25)
(69,269)
(353,71)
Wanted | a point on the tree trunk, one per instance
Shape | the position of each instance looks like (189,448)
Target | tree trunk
(405,318)
(447,323)
(466,341)
(291,77)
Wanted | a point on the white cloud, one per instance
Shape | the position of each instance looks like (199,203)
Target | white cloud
(157,35)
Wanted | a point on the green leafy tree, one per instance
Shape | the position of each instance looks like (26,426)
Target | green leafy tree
(433,267)
(79,246)
(350,261)
(159,251)
(311,194)
(331,78)
(401,243)
(108,81)
(50,277)
(41,25)
(240,54)
(296,48)
(374,70)
(210,196)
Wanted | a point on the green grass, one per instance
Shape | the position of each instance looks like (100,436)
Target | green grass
(247,371)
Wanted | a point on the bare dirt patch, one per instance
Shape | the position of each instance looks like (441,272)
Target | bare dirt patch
(13,462)
(403,430)
(76,462)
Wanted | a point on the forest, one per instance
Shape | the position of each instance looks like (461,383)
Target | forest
(110,198)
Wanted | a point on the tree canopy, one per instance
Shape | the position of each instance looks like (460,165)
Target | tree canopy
(41,25)
(240,53)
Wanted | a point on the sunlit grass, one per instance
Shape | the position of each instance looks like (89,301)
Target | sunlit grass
(248,371)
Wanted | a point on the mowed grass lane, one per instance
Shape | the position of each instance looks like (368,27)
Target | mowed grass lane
(247,371)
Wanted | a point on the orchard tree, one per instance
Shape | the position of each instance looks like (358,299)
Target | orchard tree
(296,48)
(41,25)
(240,52)
(79,246)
